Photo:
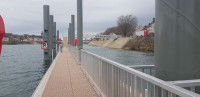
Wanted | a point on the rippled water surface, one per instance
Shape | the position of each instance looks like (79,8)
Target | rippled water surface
(123,56)
(21,69)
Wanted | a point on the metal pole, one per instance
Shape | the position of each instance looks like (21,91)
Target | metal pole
(52,55)
(70,34)
(50,36)
(72,29)
(54,40)
(46,30)
(80,24)
(57,40)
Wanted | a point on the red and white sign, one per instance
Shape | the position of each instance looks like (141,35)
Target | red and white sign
(44,45)
(142,33)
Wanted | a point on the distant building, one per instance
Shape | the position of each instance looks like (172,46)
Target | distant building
(22,38)
(139,28)
(6,39)
(149,27)
(7,36)
(25,40)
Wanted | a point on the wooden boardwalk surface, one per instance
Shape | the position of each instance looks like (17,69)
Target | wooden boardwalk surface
(67,79)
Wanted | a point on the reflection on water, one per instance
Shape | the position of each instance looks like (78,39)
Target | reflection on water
(21,69)
(123,56)
(46,65)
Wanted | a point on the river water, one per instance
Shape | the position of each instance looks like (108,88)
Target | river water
(22,67)
(123,56)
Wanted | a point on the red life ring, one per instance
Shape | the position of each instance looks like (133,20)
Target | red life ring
(2,32)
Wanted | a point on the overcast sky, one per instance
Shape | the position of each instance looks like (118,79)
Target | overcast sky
(26,16)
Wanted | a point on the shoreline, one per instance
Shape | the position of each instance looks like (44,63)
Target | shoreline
(145,44)
(20,44)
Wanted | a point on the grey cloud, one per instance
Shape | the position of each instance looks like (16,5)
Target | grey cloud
(26,16)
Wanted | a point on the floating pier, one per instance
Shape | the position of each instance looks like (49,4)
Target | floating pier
(64,78)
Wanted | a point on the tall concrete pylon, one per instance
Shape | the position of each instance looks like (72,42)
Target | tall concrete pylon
(50,36)
(57,38)
(46,30)
(80,24)
(72,29)
(70,34)
(54,40)
(177,41)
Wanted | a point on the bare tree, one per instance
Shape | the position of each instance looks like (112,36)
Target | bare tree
(112,30)
(127,24)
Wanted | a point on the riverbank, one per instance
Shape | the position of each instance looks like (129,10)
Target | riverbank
(137,43)
(19,43)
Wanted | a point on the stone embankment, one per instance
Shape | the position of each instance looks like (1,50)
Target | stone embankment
(137,43)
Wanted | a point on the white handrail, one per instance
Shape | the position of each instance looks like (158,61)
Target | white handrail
(105,72)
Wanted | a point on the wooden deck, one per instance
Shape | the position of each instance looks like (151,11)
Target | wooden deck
(65,78)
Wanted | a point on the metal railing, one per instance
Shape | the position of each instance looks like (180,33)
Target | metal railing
(188,84)
(112,79)
(148,69)
(75,52)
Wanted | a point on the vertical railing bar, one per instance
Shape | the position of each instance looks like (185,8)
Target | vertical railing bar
(121,84)
(162,92)
(128,84)
(110,80)
(107,82)
(135,86)
(192,89)
(146,93)
(149,89)
(132,85)
(170,94)
(124,83)
(113,81)
(140,87)
(101,74)
(118,72)
(150,71)
(143,87)
(155,91)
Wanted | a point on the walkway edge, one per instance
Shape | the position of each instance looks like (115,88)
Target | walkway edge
(40,88)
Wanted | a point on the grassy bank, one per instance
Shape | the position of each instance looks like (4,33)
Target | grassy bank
(140,43)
